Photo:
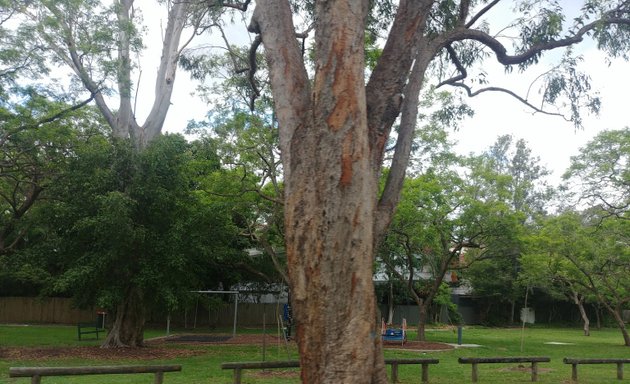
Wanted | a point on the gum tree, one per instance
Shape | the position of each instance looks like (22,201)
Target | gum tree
(334,127)
(599,175)
(93,49)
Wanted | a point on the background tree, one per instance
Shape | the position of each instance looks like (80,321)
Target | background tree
(333,129)
(544,266)
(129,224)
(429,234)
(512,179)
(243,126)
(97,47)
(599,175)
(41,136)
(593,259)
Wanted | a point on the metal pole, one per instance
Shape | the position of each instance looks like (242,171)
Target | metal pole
(168,324)
(459,335)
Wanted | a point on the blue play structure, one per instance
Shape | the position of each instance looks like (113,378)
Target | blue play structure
(394,334)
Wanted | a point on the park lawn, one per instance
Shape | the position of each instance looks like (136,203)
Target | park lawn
(205,367)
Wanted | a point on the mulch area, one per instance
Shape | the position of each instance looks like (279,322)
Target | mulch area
(418,346)
(257,339)
(166,348)
(96,353)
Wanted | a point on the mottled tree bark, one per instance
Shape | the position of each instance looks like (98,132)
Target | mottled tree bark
(332,137)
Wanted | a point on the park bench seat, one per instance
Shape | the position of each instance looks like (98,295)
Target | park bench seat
(576,361)
(238,367)
(89,328)
(533,360)
(36,373)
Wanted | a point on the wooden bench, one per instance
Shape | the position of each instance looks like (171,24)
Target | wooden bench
(238,367)
(483,360)
(36,373)
(424,363)
(575,362)
(88,328)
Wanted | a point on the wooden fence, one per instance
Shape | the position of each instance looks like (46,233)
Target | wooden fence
(35,310)
(18,310)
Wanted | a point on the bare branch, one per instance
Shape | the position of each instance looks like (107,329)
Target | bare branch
(239,6)
(463,33)
(481,13)
(455,81)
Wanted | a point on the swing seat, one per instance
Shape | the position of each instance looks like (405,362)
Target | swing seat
(394,334)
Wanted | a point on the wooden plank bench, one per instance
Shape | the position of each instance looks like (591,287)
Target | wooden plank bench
(575,362)
(424,363)
(36,373)
(238,367)
(483,360)
(88,328)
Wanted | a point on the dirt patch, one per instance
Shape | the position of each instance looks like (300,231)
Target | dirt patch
(96,353)
(419,346)
(257,339)
(166,348)
(523,368)
(197,339)
(276,374)
(253,339)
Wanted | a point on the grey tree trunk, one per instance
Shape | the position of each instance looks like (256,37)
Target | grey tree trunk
(128,326)
(422,320)
(390,302)
(579,301)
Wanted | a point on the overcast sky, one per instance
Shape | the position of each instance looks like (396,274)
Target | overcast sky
(551,138)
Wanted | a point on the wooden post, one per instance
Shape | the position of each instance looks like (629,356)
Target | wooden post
(620,371)
(36,379)
(474,372)
(534,371)
(574,372)
(394,373)
(159,377)
(237,376)
(425,373)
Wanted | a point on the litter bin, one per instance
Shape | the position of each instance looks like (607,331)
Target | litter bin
(100,319)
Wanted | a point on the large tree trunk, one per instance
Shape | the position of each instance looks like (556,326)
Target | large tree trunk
(617,315)
(128,326)
(332,159)
(330,198)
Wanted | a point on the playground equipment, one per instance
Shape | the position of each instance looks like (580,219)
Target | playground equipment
(394,334)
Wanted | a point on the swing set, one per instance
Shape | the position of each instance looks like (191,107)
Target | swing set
(394,334)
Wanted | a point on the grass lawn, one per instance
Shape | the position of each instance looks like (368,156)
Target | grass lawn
(203,363)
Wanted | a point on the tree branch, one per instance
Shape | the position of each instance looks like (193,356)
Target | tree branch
(463,33)
(390,75)
(273,19)
(482,12)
